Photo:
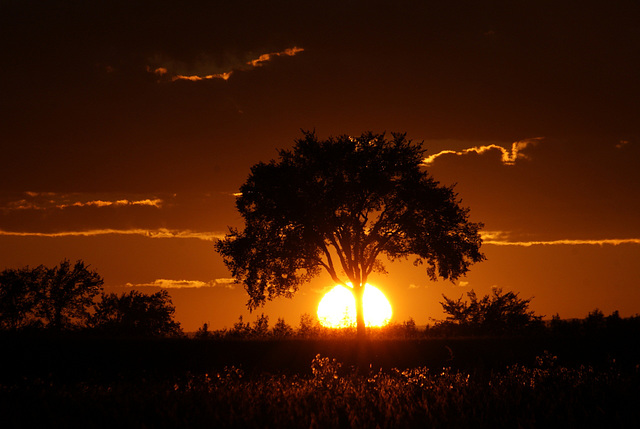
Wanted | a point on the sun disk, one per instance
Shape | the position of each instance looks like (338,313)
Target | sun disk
(337,309)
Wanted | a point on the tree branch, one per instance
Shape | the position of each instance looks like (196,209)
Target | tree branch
(341,255)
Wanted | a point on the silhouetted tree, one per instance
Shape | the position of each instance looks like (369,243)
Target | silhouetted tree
(57,298)
(281,329)
(409,326)
(595,322)
(136,314)
(261,326)
(203,332)
(308,326)
(338,205)
(240,329)
(18,297)
(497,313)
(66,294)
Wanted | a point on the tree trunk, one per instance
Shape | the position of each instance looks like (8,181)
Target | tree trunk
(361,329)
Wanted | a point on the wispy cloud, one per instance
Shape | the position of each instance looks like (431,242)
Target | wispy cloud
(267,57)
(196,78)
(50,200)
(500,239)
(186,284)
(150,233)
(508,156)
(166,73)
(156,202)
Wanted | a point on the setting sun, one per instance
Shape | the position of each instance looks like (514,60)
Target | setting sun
(337,309)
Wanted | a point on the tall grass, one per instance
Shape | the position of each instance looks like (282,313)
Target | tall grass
(330,394)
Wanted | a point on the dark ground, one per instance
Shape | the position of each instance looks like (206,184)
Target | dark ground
(80,356)
(535,382)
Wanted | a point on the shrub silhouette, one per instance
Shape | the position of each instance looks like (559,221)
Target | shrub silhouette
(499,313)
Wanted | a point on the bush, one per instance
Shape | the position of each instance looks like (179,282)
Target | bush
(496,314)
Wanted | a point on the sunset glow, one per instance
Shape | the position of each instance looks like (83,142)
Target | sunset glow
(337,309)
(130,152)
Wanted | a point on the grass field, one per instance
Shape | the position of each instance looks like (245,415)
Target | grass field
(481,382)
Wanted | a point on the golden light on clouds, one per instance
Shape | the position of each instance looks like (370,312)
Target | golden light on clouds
(187,284)
(195,78)
(337,309)
(150,233)
(267,57)
(48,201)
(508,156)
(253,63)
(609,241)
(501,239)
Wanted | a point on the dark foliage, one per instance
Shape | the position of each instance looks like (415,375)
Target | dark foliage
(596,324)
(136,314)
(543,393)
(18,301)
(281,329)
(495,314)
(58,298)
(338,204)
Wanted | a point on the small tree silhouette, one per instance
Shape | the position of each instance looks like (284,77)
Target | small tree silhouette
(57,298)
(281,329)
(136,314)
(261,326)
(66,294)
(308,326)
(493,314)
(240,329)
(18,298)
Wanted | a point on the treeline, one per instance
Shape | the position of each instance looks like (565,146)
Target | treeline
(498,314)
(69,298)
(595,324)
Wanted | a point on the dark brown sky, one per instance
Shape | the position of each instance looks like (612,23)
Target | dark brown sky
(116,123)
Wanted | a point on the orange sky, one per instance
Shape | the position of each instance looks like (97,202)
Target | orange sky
(126,130)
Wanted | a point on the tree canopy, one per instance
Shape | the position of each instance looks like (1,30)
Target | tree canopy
(63,298)
(56,298)
(339,204)
(136,314)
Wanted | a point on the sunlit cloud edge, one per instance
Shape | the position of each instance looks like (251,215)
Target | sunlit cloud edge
(490,239)
(227,283)
(508,156)
(163,73)
(150,233)
(52,200)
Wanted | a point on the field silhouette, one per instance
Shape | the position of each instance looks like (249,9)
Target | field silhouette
(83,381)
(123,361)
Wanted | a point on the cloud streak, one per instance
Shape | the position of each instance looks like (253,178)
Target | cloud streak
(163,73)
(50,200)
(150,233)
(196,78)
(156,202)
(508,156)
(187,284)
(498,239)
